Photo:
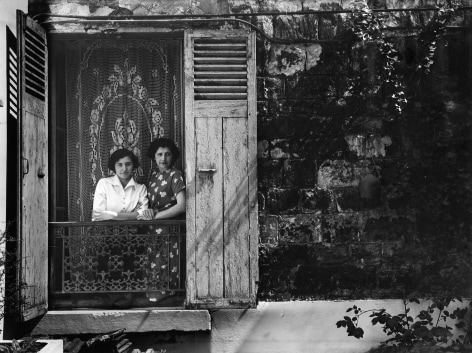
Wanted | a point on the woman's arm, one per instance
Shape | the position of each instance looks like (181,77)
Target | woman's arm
(174,210)
(99,215)
(99,201)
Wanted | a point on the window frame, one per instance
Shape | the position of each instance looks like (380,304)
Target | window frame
(185,320)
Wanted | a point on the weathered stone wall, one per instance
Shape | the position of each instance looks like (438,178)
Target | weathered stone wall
(354,202)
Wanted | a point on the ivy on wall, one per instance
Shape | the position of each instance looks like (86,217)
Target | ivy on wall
(366,28)
(390,82)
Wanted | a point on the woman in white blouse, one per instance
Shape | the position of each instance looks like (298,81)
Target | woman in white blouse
(120,197)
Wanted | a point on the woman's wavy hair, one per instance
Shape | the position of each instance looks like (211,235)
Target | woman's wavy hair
(163,142)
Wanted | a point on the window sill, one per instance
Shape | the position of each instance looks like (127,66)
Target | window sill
(100,321)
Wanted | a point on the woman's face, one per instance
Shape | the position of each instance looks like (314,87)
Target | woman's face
(164,158)
(124,169)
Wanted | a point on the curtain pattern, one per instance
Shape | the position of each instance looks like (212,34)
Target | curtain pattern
(120,94)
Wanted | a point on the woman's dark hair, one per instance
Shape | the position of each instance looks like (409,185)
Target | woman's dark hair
(163,142)
(122,153)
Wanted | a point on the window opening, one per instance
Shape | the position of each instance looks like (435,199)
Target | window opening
(112,93)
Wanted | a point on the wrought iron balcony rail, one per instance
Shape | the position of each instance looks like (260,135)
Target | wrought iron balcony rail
(117,263)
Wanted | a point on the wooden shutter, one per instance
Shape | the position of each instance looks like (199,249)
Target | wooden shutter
(220,145)
(33,167)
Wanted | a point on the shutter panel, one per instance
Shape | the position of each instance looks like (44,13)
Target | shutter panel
(33,167)
(220,142)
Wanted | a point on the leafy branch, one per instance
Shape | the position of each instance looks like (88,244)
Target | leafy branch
(367,27)
(430,325)
(433,31)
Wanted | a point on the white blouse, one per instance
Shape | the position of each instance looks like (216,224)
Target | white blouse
(110,196)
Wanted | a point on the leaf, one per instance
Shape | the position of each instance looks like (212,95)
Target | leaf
(359,333)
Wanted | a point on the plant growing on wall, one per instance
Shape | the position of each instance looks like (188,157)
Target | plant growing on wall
(430,35)
(367,29)
(430,326)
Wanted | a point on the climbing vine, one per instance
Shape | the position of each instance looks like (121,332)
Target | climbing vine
(367,27)
(433,31)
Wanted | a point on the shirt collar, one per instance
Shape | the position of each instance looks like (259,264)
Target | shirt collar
(116,182)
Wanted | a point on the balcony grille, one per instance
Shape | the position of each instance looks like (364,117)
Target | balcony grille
(135,257)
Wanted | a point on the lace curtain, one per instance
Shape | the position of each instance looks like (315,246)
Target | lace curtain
(121,93)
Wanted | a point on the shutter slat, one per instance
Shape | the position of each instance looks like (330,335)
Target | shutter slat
(34,75)
(220,96)
(240,68)
(220,61)
(219,53)
(13,113)
(221,89)
(223,60)
(220,82)
(220,46)
(37,46)
(220,75)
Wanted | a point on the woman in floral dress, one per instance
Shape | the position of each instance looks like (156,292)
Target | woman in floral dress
(166,188)
(166,194)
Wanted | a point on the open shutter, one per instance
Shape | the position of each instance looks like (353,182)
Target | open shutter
(33,167)
(220,143)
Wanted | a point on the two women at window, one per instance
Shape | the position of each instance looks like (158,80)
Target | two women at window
(120,197)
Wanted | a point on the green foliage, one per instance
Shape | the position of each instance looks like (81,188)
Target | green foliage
(433,31)
(366,28)
(430,326)
(28,345)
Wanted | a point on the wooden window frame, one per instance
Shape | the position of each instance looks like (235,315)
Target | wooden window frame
(196,316)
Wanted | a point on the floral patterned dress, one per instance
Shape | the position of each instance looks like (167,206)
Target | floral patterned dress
(162,194)
(164,187)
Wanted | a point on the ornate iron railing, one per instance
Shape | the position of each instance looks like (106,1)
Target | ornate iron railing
(117,263)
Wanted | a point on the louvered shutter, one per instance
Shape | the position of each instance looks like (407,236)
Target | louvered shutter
(33,163)
(220,142)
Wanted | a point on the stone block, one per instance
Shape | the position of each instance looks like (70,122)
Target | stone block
(330,26)
(341,227)
(336,173)
(299,173)
(328,282)
(389,249)
(296,27)
(286,59)
(334,61)
(269,173)
(263,149)
(366,254)
(301,228)
(318,87)
(368,146)
(341,173)
(273,127)
(314,199)
(269,229)
(282,201)
(388,228)
(280,148)
(347,198)
(329,254)
(274,88)
(70,9)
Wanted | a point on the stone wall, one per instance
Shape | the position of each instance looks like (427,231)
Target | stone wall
(354,201)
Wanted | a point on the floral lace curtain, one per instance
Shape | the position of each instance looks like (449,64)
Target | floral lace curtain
(120,94)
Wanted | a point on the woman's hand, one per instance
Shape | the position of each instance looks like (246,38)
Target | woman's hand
(103,215)
(147,214)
